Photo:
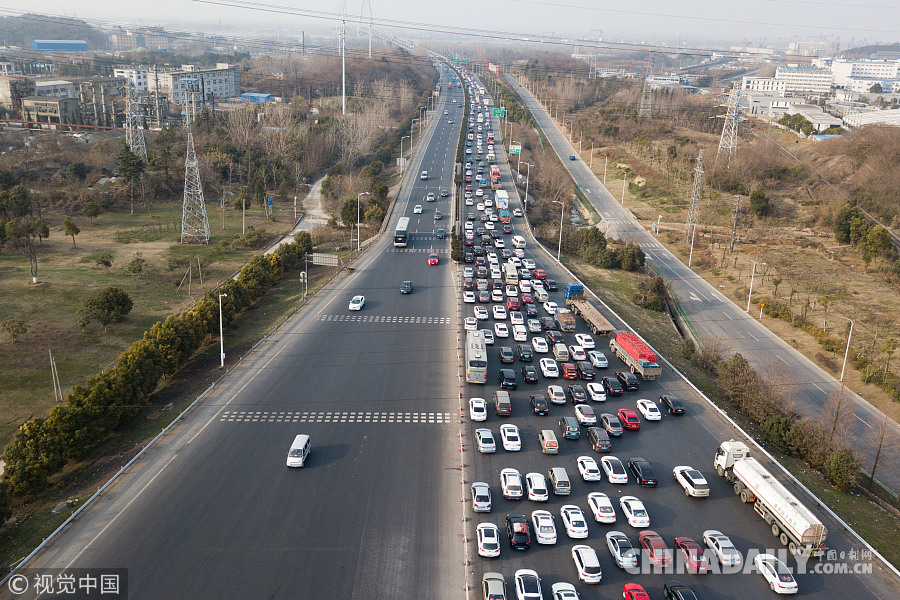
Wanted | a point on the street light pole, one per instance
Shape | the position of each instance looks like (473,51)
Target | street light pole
(605,164)
(591,166)
(527,182)
(221,336)
(580,139)
(401,150)
(358,221)
(750,293)
(624,183)
(847,351)
(562,212)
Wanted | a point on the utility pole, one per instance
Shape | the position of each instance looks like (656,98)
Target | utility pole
(736,211)
(647,92)
(694,210)
(728,140)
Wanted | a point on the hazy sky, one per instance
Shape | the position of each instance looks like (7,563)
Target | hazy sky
(770,22)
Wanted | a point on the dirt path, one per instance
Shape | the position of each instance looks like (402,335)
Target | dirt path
(313,216)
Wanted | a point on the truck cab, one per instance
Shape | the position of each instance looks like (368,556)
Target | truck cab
(729,453)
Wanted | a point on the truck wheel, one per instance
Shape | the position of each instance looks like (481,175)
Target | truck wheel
(745,497)
(738,488)
(633,371)
(793,548)
(784,539)
(720,470)
(775,530)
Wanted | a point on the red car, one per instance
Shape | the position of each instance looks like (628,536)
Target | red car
(468,188)
(527,299)
(468,179)
(657,551)
(629,419)
(694,559)
(513,304)
(568,370)
(433,259)
(634,591)
(539,274)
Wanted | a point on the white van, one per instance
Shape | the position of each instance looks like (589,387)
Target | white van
(541,295)
(518,241)
(299,451)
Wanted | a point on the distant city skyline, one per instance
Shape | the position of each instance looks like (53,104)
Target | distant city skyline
(750,22)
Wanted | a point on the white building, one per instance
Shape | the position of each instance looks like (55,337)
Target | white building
(802,79)
(55,88)
(664,81)
(139,77)
(863,85)
(814,114)
(872,116)
(763,84)
(223,81)
(843,71)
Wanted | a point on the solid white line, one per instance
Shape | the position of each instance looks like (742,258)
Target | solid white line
(753,336)
(727,315)
(820,389)
(782,360)
(864,423)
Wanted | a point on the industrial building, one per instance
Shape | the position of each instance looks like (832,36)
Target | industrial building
(13,88)
(763,84)
(60,45)
(55,88)
(139,76)
(803,79)
(222,81)
(51,110)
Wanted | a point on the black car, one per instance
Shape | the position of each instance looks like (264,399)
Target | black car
(484,296)
(628,380)
(674,405)
(507,228)
(539,405)
(406,287)
(569,428)
(549,324)
(468,284)
(611,386)
(529,374)
(579,396)
(551,285)
(517,530)
(440,234)
(444,194)
(585,370)
(470,217)
(497,285)
(506,354)
(478,250)
(599,439)
(508,379)
(675,590)
(643,472)
(525,353)
(480,261)
(468,257)
(553,337)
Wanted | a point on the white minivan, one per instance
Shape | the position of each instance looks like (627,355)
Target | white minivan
(424,176)
(518,241)
(299,451)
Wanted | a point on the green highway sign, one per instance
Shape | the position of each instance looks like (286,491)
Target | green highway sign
(514,149)
(498,112)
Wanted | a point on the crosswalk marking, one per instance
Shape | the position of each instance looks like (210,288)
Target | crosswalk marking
(426,250)
(272,416)
(355,318)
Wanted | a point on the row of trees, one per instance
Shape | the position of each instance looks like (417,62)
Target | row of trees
(851,226)
(590,245)
(107,401)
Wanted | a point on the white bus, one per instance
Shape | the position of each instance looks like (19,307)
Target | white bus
(401,234)
(476,357)
(511,273)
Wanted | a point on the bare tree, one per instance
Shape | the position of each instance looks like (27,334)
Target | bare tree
(837,415)
(879,445)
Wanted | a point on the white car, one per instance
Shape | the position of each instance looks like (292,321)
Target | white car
(468,272)
(573,521)
(471,324)
(477,409)
(551,308)
(496,295)
(417,209)
(534,326)
(780,579)
(499,243)
(598,359)
(516,318)
(520,334)
(588,468)
(469,297)
(544,527)
(585,341)
(509,435)
(723,548)
(525,286)
(564,591)
(481,497)
(501,330)
(620,547)
(481,313)
(469,226)
(577,353)
(537,284)
(499,312)
(488,540)
(615,470)
(512,291)
(488,337)
(596,392)
(485,440)
(528,585)
(515,260)
(488,203)
(634,512)
(556,394)
(480,205)
(549,367)
(649,410)
(529,263)
(602,507)
(692,481)
(585,415)
(489,226)
(357,302)
(539,345)
(511,484)
(537,487)
(587,564)
(479,193)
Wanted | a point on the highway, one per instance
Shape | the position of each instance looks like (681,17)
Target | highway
(689,440)
(715,317)
(213,512)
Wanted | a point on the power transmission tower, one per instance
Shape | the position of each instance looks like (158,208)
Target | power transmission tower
(696,193)
(647,93)
(194,224)
(728,141)
(736,211)
(134,129)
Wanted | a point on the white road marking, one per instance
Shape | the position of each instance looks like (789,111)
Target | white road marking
(863,422)
(727,315)
(273,416)
(820,389)
(782,360)
(753,336)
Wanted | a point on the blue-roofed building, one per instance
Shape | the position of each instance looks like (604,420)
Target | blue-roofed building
(63,45)
(256,97)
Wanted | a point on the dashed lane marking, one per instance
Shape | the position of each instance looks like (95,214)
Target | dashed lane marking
(287,416)
(341,318)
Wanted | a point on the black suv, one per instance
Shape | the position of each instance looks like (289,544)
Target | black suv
(517,530)
(548,324)
(525,353)
(440,233)
(508,379)
(586,370)
(674,405)
(506,354)
(529,374)
(569,428)
(643,472)
(406,287)
(612,386)
(553,337)
(628,380)
(579,396)
(539,405)
(551,285)
(599,439)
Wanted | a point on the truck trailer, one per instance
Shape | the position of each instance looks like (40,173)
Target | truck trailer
(579,305)
(636,354)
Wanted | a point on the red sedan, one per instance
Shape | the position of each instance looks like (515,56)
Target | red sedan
(527,299)
(433,259)
(513,304)
(568,370)
(539,274)
(657,551)
(635,591)
(629,419)
(694,559)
